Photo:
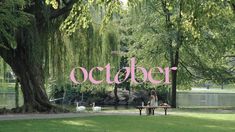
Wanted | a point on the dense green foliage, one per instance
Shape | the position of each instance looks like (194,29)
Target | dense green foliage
(11,19)
(201,31)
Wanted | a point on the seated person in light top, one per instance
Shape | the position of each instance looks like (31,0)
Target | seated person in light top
(153,99)
(153,102)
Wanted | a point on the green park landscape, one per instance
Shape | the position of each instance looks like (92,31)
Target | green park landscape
(117,65)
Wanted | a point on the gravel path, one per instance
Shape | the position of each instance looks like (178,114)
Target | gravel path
(61,115)
(71,115)
(134,112)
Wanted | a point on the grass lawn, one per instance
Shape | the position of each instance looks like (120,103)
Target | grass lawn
(180,122)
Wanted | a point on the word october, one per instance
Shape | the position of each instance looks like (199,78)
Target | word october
(130,72)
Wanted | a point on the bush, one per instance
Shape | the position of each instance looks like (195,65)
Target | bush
(162,91)
(72,94)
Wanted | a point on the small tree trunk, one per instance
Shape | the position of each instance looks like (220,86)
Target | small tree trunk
(4,71)
(116,95)
(222,85)
(17,93)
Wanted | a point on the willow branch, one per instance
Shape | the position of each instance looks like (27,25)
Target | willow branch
(6,54)
(229,56)
(6,51)
(64,10)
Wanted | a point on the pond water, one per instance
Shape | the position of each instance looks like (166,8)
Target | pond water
(7,100)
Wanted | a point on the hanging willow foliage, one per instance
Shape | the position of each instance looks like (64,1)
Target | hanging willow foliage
(87,47)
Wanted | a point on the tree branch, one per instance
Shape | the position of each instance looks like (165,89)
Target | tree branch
(193,75)
(66,9)
(65,2)
(6,51)
(233,5)
(229,56)
(6,54)
(185,67)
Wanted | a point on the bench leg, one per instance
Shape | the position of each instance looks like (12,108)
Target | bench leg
(165,111)
(153,111)
(140,112)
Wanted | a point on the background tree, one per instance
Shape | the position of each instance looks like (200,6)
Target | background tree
(191,35)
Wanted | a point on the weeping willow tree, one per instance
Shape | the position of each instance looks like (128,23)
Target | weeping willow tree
(87,47)
(31,42)
(21,37)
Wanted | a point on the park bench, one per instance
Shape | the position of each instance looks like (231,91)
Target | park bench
(165,107)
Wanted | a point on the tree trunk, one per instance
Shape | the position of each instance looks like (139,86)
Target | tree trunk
(26,62)
(173,56)
(175,59)
(174,81)
(32,82)
(222,84)
(4,72)
(116,95)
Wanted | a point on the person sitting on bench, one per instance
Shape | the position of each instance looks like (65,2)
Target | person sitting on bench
(153,102)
